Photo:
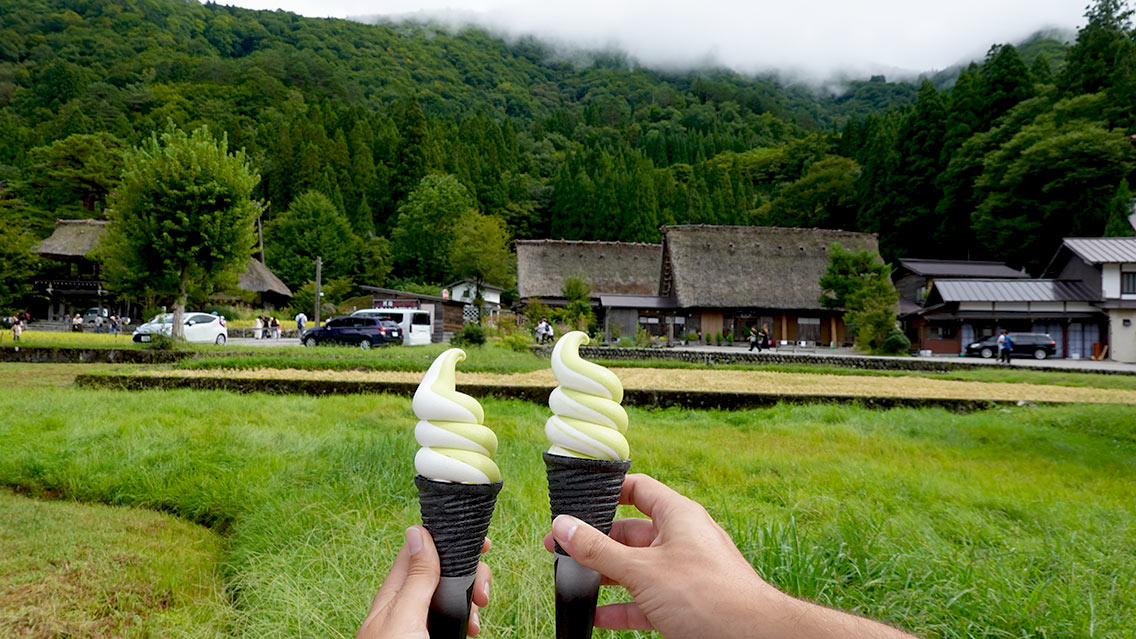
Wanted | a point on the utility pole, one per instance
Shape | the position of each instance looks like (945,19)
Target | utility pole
(319,294)
(260,239)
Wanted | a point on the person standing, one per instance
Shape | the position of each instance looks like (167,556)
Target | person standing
(17,329)
(1005,346)
(275,328)
(257,327)
(301,319)
(752,337)
(762,338)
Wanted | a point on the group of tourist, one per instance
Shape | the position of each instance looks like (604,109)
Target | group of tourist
(112,324)
(266,327)
(544,332)
(16,323)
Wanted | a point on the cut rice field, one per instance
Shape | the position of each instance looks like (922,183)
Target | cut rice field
(1016,522)
(718,380)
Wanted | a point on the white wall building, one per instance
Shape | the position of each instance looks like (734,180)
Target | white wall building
(1108,266)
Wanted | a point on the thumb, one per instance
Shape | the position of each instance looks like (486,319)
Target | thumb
(413,600)
(592,549)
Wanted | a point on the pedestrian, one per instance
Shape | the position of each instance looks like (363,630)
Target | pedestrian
(763,338)
(77,323)
(257,327)
(99,323)
(301,319)
(1005,347)
(114,327)
(17,329)
(541,327)
(752,337)
(275,328)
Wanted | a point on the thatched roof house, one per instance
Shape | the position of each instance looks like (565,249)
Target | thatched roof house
(727,279)
(621,268)
(258,279)
(75,240)
(750,266)
(72,239)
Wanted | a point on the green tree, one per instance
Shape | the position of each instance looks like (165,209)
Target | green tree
(1121,212)
(182,216)
(422,239)
(577,294)
(17,265)
(312,227)
(860,283)
(481,253)
(76,173)
(1104,50)
(824,198)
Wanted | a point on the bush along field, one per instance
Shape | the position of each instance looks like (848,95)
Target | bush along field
(1009,523)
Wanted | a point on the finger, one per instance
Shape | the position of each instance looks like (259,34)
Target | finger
(486,545)
(481,584)
(624,616)
(549,542)
(409,607)
(474,626)
(637,533)
(593,549)
(652,497)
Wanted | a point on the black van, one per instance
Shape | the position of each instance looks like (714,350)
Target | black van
(1035,345)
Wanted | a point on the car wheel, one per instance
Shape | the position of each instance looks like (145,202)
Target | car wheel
(220,340)
(365,344)
(310,342)
(987,353)
(1040,354)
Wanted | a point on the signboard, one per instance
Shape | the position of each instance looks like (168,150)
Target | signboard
(394,303)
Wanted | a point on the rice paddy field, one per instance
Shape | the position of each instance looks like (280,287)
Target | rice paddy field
(1015,522)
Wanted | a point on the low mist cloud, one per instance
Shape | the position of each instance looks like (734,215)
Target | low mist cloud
(815,39)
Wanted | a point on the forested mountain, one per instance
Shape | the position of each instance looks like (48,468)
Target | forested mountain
(355,116)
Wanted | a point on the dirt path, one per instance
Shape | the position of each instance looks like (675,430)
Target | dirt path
(732,381)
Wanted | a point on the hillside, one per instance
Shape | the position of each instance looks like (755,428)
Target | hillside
(594,147)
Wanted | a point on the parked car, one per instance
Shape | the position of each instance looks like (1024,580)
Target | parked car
(414,323)
(199,327)
(91,313)
(1036,345)
(361,331)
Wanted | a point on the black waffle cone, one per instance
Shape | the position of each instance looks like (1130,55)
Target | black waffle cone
(457,516)
(587,489)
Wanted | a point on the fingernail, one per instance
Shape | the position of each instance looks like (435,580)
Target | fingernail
(485,588)
(563,527)
(413,540)
(476,619)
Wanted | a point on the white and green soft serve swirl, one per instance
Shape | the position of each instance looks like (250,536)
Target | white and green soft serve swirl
(455,445)
(587,419)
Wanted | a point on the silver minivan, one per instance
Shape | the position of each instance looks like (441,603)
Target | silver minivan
(415,323)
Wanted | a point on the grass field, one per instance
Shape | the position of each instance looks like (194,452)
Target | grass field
(1008,523)
(77,570)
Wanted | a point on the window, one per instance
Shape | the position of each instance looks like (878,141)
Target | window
(943,332)
(421,319)
(337,323)
(1128,283)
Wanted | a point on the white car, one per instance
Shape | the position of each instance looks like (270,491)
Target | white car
(199,327)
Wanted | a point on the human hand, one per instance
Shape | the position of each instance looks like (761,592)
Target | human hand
(399,610)
(687,577)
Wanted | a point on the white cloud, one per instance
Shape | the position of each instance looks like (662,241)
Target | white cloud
(817,38)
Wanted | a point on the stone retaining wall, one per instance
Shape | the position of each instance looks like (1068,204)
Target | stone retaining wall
(71,355)
(860,362)
(537,394)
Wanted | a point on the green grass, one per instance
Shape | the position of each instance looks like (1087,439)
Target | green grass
(77,570)
(487,359)
(1009,523)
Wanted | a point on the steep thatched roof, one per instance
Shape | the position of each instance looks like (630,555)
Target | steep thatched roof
(258,279)
(750,266)
(72,238)
(609,267)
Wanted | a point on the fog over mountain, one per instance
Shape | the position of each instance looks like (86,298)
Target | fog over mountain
(814,40)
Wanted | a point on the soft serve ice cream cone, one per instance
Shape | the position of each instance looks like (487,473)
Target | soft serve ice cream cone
(586,464)
(457,488)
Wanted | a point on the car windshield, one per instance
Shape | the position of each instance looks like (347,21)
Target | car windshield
(167,318)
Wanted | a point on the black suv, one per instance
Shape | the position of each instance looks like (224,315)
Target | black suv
(356,330)
(1035,345)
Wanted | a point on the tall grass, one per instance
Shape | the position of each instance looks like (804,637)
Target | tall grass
(1013,523)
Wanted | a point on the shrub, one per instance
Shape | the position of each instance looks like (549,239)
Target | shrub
(718,339)
(642,338)
(896,343)
(519,342)
(729,337)
(692,336)
(161,342)
(470,335)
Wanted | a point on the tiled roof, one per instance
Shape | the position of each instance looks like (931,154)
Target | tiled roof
(995,290)
(960,268)
(1103,250)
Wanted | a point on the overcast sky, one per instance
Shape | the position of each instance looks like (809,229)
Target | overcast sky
(818,38)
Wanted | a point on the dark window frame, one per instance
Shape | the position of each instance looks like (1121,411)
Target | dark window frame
(1128,283)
